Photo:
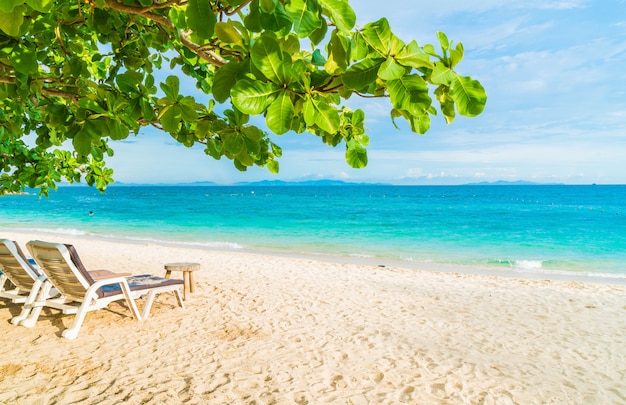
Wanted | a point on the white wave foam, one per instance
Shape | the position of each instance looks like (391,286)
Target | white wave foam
(214,245)
(62,231)
(360,255)
(528,264)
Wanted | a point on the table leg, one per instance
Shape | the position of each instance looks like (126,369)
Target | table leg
(168,273)
(186,281)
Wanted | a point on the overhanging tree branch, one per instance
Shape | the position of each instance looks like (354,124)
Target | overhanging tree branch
(207,55)
(278,60)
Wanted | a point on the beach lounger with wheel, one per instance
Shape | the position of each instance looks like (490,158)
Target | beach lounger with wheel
(82,291)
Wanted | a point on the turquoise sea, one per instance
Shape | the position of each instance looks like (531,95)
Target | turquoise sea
(540,230)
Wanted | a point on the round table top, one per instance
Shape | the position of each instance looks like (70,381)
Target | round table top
(182,266)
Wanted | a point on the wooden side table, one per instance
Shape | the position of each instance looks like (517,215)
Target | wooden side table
(187,269)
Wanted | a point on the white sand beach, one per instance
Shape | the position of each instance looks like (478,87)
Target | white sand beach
(263,329)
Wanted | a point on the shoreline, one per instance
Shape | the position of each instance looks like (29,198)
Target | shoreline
(285,330)
(468,269)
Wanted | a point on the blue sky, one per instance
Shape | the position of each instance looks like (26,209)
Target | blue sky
(555,75)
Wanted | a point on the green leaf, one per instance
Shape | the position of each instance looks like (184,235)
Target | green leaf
(409,93)
(278,21)
(446,102)
(319,34)
(362,74)
(188,113)
(224,80)
(390,70)
(456,55)
(326,117)
(225,32)
(378,36)
(413,56)
(128,82)
(290,44)
(280,113)
(252,21)
(442,74)
(337,55)
(96,128)
(305,21)
(7,6)
(267,6)
(276,150)
(253,133)
(469,95)
(201,19)
(170,118)
(359,49)
(309,112)
(233,141)
(171,87)
(213,149)
(429,49)
(235,3)
(268,58)
(253,97)
(317,59)
(443,41)
(117,131)
(396,45)
(340,13)
(91,105)
(82,143)
(420,124)
(356,156)
(40,5)
(25,60)
(273,166)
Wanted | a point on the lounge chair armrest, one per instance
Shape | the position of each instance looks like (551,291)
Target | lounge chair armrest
(121,280)
(107,281)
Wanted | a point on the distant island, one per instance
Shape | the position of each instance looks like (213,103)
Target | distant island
(311,183)
(272,183)
(307,183)
(512,183)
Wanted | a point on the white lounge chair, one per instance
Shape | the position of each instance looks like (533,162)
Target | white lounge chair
(20,280)
(81,293)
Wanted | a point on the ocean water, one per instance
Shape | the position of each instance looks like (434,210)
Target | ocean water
(571,230)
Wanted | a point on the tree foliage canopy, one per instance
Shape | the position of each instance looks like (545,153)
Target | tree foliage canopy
(77,74)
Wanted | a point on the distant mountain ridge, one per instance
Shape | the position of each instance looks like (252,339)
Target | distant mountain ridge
(273,183)
(326,182)
(512,183)
(307,183)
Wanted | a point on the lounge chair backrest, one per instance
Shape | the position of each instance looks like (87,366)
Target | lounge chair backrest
(55,260)
(16,267)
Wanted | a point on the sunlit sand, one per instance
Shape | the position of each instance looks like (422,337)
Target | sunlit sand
(282,330)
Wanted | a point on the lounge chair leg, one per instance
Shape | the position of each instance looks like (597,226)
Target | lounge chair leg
(28,305)
(148,305)
(37,306)
(72,331)
(150,300)
(179,298)
(130,301)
